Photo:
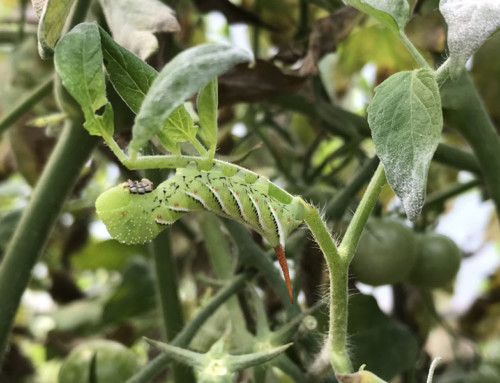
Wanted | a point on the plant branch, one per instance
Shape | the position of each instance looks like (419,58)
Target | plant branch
(183,339)
(358,222)
(60,173)
(414,51)
(26,104)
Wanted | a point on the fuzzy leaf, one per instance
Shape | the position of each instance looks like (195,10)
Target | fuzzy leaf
(131,77)
(207,111)
(392,13)
(134,23)
(180,79)
(469,25)
(53,14)
(406,122)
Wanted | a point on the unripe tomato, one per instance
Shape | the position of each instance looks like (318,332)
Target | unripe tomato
(114,363)
(438,261)
(385,254)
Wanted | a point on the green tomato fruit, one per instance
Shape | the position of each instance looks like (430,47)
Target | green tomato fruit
(438,261)
(385,254)
(114,363)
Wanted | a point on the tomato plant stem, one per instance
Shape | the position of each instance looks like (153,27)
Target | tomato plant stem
(63,168)
(358,222)
(32,99)
(183,339)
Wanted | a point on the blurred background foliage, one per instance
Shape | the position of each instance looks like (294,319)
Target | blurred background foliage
(296,116)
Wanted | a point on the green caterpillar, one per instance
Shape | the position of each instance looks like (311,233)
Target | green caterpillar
(135,213)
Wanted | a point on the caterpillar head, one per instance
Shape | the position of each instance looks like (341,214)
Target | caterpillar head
(126,211)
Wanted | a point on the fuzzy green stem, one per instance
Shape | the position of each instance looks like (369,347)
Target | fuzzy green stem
(183,339)
(414,51)
(336,208)
(25,105)
(199,147)
(60,173)
(337,268)
(358,222)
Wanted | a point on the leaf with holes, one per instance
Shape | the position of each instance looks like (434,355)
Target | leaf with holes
(406,122)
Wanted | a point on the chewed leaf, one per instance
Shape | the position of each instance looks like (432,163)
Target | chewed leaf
(392,13)
(406,122)
(469,25)
(78,60)
(207,110)
(180,79)
(179,126)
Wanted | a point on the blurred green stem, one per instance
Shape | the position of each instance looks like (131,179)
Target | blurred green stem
(222,264)
(183,339)
(60,173)
(464,110)
(26,104)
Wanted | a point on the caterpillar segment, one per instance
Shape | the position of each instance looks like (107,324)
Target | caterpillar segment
(134,212)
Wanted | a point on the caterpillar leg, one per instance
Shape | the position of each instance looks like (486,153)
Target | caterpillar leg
(280,253)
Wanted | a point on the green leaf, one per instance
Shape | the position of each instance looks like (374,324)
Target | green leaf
(179,126)
(207,111)
(53,18)
(168,143)
(385,346)
(134,296)
(406,122)
(78,60)
(109,254)
(180,79)
(131,77)
(392,13)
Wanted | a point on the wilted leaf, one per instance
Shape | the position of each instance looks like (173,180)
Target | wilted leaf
(406,122)
(182,77)
(326,34)
(53,14)
(262,80)
(78,61)
(130,76)
(133,23)
(469,25)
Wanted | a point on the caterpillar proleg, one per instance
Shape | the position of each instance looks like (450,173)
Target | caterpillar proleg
(134,212)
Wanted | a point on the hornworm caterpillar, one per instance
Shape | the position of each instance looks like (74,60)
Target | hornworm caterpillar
(135,213)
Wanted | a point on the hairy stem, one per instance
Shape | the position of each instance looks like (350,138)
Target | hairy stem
(414,51)
(60,173)
(358,222)
(337,268)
